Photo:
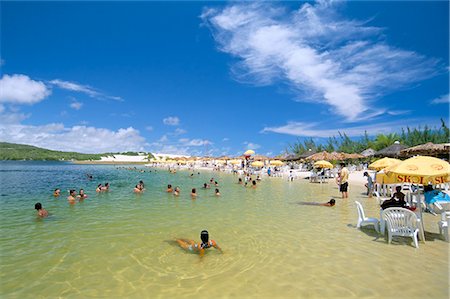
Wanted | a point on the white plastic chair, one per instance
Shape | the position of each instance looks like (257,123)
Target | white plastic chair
(363,220)
(443,225)
(401,222)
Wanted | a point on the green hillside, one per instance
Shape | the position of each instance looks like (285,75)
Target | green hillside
(12,151)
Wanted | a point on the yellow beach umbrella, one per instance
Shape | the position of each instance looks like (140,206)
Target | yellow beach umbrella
(420,170)
(249,153)
(323,164)
(276,163)
(234,162)
(384,179)
(383,163)
(257,164)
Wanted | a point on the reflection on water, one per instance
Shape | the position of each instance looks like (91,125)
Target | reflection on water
(120,244)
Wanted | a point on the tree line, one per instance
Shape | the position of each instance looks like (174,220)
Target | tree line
(343,143)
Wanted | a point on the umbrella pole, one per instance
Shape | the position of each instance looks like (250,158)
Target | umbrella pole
(422,227)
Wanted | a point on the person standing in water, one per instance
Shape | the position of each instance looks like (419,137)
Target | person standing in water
(72,196)
(191,245)
(82,195)
(57,192)
(344,181)
(41,211)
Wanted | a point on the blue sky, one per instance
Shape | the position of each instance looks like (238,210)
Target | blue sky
(216,78)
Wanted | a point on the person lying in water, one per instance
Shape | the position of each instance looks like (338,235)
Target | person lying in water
(331,203)
(191,245)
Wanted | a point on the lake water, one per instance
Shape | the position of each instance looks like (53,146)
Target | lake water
(119,244)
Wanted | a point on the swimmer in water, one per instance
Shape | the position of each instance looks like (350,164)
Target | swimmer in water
(41,211)
(169,189)
(137,189)
(331,203)
(194,193)
(57,192)
(99,188)
(106,187)
(72,196)
(217,192)
(177,191)
(81,195)
(191,245)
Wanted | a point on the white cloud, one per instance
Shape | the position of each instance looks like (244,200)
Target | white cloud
(225,139)
(443,99)
(301,129)
(195,142)
(83,89)
(252,146)
(20,89)
(321,55)
(76,105)
(77,138)
(12,117)
(179,131)
(149,128)
(171,121)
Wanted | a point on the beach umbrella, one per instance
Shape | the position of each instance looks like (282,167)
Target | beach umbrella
(420,170)
(260,158)
(383,163)
(234,162)
(291,157)
(325,156)
(368,152)
(392,151)
(257,164)
(249,153)
(427,149)
(276,163)
(352,156)
(323,164)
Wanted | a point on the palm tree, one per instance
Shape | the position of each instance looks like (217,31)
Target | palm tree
(382,140)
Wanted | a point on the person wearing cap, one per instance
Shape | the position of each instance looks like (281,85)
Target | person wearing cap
(369,184)
(191,245)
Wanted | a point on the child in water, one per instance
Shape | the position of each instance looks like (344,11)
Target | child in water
(190,245)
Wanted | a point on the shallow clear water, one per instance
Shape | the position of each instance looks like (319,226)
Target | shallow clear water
(119,244)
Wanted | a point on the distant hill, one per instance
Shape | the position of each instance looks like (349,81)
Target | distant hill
(13,151)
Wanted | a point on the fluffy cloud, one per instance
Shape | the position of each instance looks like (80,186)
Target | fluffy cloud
(314,129)
(72,86)
(78,138)
(322,56)
(251,145)
(171,121)
(76,105)
(444,99)
(20,89)
(195,142)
